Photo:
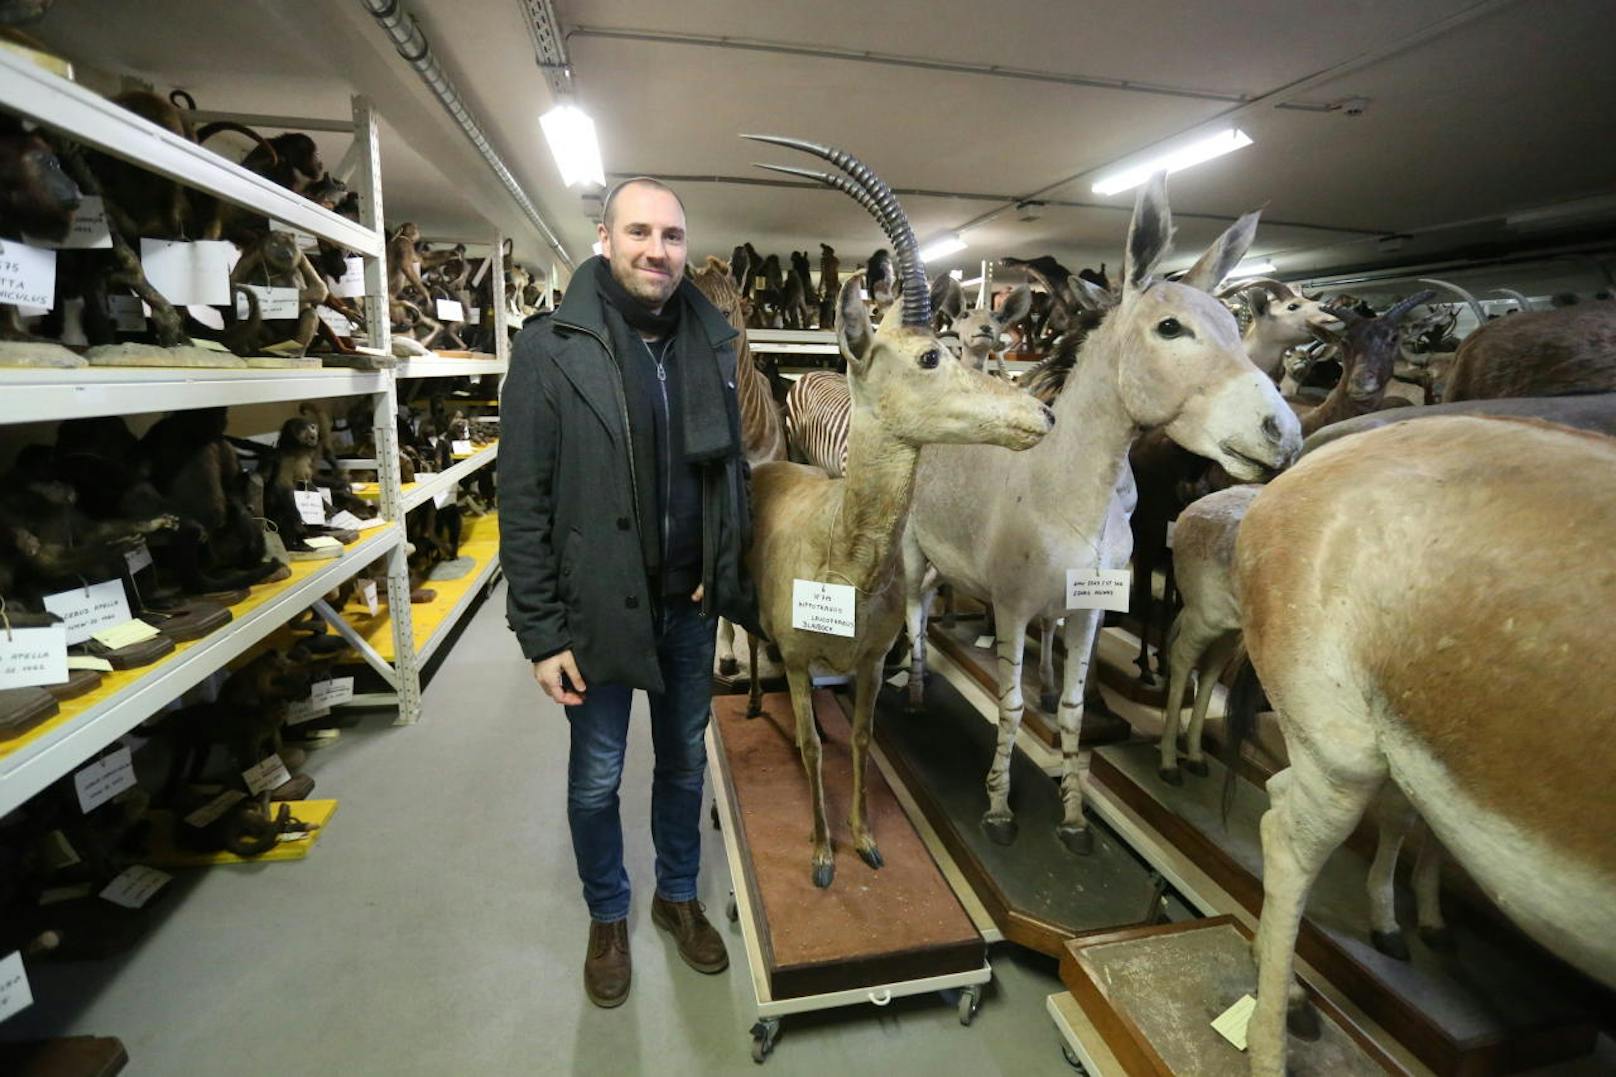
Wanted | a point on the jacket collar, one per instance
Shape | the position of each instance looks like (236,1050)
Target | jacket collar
(582,307)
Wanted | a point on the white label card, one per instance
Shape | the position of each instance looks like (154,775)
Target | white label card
(87,609)
(1231,1023)
(135,886)
(325,494)
(367,591)
(214,809)
(304,710)
(371,524)
(823,607)
(310,506)
(104,779)
(15,995)
(27,275)
(124,635)
(272,302)
(189,273)
(138,558)
(1172,525)
(474,316)
(341,326)
(985,642)
(450,310)
(33,656)
(322,542)
(267,776)
(210,318)
(128,313)
(444,498)
(89,227)
(84,661)
(346,521)
(461,448)
(1097,589)
(331,693)
(351,285)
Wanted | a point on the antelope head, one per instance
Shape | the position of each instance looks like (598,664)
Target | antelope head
(1182,365)
(981,329)
(1370,348)
(902,376)
(1283,316)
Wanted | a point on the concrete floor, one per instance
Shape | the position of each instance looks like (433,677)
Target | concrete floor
(437,929)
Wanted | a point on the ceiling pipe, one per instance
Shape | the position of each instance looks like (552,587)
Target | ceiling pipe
(412,45)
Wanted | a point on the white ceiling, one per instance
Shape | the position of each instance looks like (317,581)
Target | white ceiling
(1476,110)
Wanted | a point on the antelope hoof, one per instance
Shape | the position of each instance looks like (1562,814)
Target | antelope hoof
(1438,938)
(728,667)
(871,856)
(1001,829)
(1197,767)
(1049,702)
(824,873)
(1171,775)
(1077,839)
(1302,1021)
(754,709)
(1390,943)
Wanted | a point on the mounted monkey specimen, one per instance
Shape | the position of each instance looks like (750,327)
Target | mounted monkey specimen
(274,261)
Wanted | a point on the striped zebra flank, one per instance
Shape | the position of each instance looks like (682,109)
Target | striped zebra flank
(819,409)
(762,438)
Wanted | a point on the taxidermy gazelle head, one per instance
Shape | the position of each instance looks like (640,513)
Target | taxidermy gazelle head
(980,328)
(1281,317)
(1182,365)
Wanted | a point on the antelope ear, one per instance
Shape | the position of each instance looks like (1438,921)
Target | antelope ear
(1210,269)
(1257,302)
(853,331)
(1150,235)
(1091,296)
(1016,306)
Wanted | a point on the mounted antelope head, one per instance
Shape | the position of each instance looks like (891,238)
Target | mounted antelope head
(1370,348)
(1281,319)
(979,328)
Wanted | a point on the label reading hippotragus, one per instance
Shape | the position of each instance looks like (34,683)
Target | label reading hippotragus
(823,607)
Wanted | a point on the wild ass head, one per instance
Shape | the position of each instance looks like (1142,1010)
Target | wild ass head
(902,376)
(1181,363)
(1370,348)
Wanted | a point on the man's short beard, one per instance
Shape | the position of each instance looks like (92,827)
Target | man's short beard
(637,287)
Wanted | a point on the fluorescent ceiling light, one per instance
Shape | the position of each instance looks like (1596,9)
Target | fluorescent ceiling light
(1250,269)
(1192,153)
(571,135)
(942,248)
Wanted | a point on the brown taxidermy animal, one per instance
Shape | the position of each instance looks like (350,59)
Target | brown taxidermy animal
(274,261)
(1558,352)
(404,263)
(289,468)
(37,198)
(830,285)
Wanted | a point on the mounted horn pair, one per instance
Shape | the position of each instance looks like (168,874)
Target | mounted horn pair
(871,192)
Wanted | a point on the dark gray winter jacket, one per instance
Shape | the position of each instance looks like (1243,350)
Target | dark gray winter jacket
(569,515)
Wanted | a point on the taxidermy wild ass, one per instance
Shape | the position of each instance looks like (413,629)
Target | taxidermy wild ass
(907,391)
(1403,612)
(1006,528)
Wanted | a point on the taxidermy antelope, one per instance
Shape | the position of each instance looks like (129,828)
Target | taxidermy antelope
(907,391)
(1538,353)
(1281,318)
(1007,528)
(980,327)
(1403,611)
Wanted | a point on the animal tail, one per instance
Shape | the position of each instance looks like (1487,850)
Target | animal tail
(181,99)
(208,130)
(1239,723)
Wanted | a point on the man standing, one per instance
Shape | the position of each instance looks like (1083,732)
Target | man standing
(624,521)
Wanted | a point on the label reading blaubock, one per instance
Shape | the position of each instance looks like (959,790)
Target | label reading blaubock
(823,607)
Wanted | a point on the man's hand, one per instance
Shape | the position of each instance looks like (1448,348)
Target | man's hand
(695,596)
(559,677)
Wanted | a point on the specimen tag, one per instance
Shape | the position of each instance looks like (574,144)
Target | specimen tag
(367,591)
(31,656)
(89,662)
(214,809)
(822,607)
(351,285)
(14,993)
(450,310)
(370,524)
(189,273)
(985,642)
(322,542)
(1097,589)
(310,506)
(461,448)
(272,302)
(330,693)
(268,775)
(137,558)
(325,494)
(444,498)
(86,609)
(128,312)
(1172,525)
(104,779)
(135,886)
(1231,1023)
(125,635)
(299,711)
(346,521)
(213,320)
(89,226)
(341,326)
(27,275)
(474,316)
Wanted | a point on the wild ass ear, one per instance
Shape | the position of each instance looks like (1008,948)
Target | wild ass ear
(1016,306)
(1210,269)
(1091,296)
(853,331)
(1150,234)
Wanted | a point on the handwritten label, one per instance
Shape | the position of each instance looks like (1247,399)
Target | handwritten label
(984,642)
(299,711)
(351,285)
(86,609)
(27,275)
(272,302)
(89,227)
(15,995)
(89,662)
(474,316)
(322,542)
(332,693)
(189,273)
(128,313)
(138,558)
(444,498)
(450,310)
(310,506)
(125,635)
(33,656)
(1231,1023)
(822,607)
(461,448)
(135,886)
(341,326)
(345,521)
(104,779)
(267,776)
(214,810)
(367,591)
(1097,589)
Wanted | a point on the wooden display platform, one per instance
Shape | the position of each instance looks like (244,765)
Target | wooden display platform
(869,927)
(982,663)
(1151,995)
(67,1056)
(1493,1005)
(1038,893)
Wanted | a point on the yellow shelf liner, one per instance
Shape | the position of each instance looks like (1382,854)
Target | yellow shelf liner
(164,854)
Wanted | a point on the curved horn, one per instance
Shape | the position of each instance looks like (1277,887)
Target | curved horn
(1399,310)
(1526,304)
(1276,288)
(887,211)
(1470,300)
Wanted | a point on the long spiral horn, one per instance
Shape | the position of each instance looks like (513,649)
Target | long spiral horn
(883,205)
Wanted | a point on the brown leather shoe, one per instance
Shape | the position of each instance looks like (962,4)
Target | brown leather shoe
(700,945)
(607,969)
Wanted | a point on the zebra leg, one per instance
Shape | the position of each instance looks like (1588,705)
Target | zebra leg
(1048,697)
(1081,628)
(1000,821)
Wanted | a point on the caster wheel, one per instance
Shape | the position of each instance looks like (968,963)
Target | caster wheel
(1072,1060)
(760,1050)
(764,1035)
(732,910)
(970,1001)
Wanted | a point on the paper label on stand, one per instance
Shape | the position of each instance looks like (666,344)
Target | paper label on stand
(351,285)
(325,494)
(135,886)
(214,810)
(138,558)
(310,506)
(341,326)
(474,316)
(267,776)
(1231,1023)
(189,273)
(27,274)
(272,302)
(367,591)
(461,448)
(1097,589)
(15,995)
(304,710)
(450,310)
(346,521)
(444,498)
(87,609)
(331,693)
(104,779)
(125,635)
(823,607)
(371,524)
(89,662)
(89,227)
(985,642)
(322,542)
(128,313)
(211,319)
(33,656)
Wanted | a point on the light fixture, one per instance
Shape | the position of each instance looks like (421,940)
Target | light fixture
(571,135)
(1191,153)
(1250,269)
(942,248)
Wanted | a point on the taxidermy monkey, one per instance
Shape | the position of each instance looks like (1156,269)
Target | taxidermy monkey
(290,467)
(36,197)
(342,495)
(881,278)
(830,285)
(275,261)
(740,270)
(404,262)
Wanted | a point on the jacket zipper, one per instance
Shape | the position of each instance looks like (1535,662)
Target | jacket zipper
(622,407)
(667,449)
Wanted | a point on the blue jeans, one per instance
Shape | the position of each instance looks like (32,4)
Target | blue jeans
(685,641)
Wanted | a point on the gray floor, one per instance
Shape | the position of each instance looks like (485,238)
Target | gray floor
(437,929)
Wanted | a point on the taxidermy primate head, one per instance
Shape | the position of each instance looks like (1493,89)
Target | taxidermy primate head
(36,196)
